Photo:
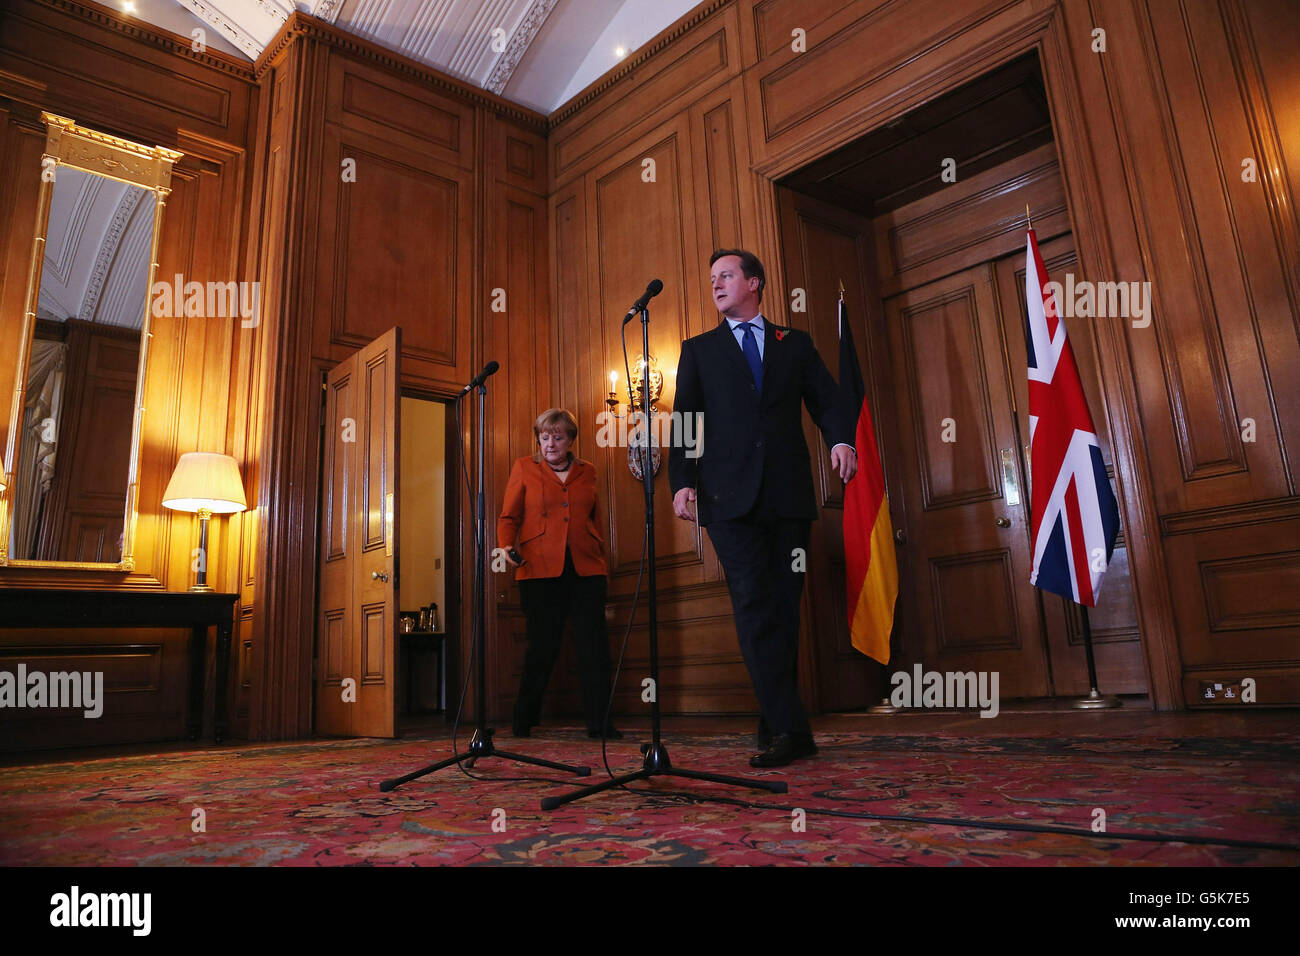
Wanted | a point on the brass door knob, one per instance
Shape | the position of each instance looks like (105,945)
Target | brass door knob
(1003,522)
(900,536)
(379,575)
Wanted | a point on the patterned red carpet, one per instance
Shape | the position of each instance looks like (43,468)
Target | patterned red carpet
(317,804)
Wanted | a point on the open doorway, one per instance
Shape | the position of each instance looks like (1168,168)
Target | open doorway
(427,500)
(923,221)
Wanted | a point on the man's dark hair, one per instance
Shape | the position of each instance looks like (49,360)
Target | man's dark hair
(750,267)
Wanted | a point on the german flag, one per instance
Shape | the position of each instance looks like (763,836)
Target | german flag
(868,532)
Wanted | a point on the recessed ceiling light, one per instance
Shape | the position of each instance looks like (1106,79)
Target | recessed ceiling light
(620,52)
(128,7)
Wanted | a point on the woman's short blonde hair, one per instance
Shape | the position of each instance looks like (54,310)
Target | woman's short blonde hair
(554,419)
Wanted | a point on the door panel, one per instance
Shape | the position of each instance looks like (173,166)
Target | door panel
(357,630)
(967,547)
(823,246)
(334,624)
(1116,642)
(376,523)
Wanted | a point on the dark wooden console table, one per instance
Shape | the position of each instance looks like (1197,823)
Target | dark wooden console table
(197,610)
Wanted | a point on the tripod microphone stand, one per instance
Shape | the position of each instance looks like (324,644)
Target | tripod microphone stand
(480,744)
(655,760)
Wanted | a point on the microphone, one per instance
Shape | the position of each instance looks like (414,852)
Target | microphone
(653,289)
(489,369)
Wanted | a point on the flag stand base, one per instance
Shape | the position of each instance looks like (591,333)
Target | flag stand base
(884,708)
(1096,701)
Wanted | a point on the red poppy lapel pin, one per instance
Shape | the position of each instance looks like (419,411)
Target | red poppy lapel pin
(780,334)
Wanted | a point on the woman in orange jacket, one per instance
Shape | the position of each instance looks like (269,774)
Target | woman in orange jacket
(550,518)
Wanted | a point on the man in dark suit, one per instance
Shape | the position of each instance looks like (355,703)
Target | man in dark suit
(752,481)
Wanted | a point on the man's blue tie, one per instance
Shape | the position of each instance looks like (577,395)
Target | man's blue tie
(750,348)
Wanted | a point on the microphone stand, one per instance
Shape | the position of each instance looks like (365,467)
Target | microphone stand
(480,745)
(655,760)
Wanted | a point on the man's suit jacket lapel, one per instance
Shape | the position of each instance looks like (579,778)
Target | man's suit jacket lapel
(776,361)
(726,343)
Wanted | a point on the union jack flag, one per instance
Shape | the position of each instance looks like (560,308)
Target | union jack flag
(1072,508)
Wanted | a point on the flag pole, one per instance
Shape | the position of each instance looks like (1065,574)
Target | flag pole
(885,707)
(1094,700)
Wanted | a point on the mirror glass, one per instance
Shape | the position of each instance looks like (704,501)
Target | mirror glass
(75,432)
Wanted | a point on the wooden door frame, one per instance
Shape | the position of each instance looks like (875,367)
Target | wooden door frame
(1048,41)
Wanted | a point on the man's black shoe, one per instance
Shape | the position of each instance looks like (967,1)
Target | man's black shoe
(784,749)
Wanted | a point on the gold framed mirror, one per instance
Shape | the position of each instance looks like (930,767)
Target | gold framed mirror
(68,492)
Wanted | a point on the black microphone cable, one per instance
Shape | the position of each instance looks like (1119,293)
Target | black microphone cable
(697,799)
(469,663)
(640,574)
(684,797)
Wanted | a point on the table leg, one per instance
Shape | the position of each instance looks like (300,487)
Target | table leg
(198,656)
(440,675)
(223,672)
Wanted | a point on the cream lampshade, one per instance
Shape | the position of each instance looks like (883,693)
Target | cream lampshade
(206,484)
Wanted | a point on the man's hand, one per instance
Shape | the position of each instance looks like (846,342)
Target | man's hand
(844,460)
(684,504)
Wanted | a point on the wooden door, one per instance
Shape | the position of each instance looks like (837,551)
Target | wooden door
(357,619)
(966,516)
(824,245)
(1116,642)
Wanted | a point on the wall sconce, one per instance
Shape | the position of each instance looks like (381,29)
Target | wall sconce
(205,483)
(634,386)
(636,421)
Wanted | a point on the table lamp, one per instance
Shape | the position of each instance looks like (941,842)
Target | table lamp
(207,484)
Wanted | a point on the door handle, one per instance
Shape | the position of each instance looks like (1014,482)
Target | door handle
(1002,522)
(379,575)
(1010,487)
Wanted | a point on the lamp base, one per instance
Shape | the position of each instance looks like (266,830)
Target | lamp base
(202,587)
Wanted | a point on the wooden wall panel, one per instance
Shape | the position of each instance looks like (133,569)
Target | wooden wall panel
(1244,615)
(602,264)
(826,246)
(1194,380)
(144,690)
(397,242)
(870,62)
(447,206)
(519,334)
(703,51)
(776,20)
(626,260)
(109,73)
(1151,136)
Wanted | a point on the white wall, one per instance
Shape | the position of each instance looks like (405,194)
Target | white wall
(422,486)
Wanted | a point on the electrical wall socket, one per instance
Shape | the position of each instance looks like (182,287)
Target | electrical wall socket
(1219,692)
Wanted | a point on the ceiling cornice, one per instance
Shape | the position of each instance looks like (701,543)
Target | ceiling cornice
(154,36)
(523,36)
(304,25)
(662,41)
